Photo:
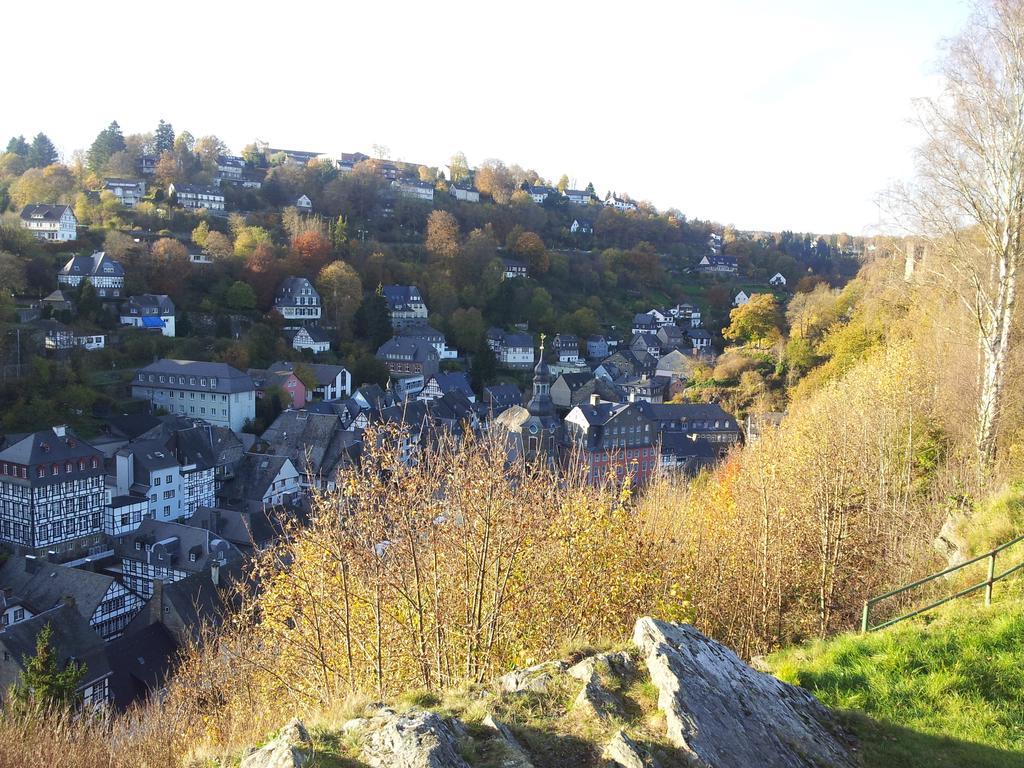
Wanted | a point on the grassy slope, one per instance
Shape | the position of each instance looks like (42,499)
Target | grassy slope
(947,690)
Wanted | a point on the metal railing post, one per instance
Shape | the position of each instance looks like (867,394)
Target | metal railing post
(991,579)
(864,617)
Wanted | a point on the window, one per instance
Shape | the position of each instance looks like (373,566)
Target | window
(156,480)
(41,472)
(169,479)
(55,470)
(19,614)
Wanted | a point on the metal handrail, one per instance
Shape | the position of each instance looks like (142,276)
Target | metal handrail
(992,578)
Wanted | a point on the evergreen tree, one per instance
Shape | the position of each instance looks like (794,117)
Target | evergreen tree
(372,320)
(44,682)
(42,152)
(18,146)
(590,187)
(163,138)
(89,304)
(108,141)
(340,233)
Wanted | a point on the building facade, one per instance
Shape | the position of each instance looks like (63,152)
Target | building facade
(214,392)
(50,222)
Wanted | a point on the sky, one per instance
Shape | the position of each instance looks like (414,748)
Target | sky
(764,115)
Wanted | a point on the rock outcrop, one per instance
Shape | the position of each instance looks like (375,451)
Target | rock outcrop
(413,739)
(288,750)
(619,664)
(723,714)
(515,756)
(536,678)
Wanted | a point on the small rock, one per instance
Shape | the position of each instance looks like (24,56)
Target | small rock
(515,755)
(619,664)
(355,724)
(284,751)
(596,701)
(536,678)
(414,739)
(623,752)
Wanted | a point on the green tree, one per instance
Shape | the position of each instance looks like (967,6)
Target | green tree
(483,369)
(108,141)
(45,682)
(89,304)
(306,375)
(240,296)
(468,328)
(18,146)
(42,152)
(372,320)
(163,138)
(367,369)
(339,234)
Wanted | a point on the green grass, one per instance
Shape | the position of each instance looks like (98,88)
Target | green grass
(947,690)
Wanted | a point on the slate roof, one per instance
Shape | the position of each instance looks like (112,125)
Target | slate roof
(422,332)
(72,638)
(457,381)
(254,476)
(149,304)
(43,585)
(229,379)
(402,297)
(47,446)
(683,447)
(693,415)
(44,211)
(290,288)
(501,396)
(407,348)
(140,663)
(178,543)
(243,529)
(315,443)
(573,380)
(197,189)
(194,441)
(98,264)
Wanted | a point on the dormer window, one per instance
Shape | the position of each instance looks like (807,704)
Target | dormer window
(41,472)
(55,470)
(191,557)
(138,545)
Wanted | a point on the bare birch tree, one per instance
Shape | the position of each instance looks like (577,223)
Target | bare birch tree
(968,197)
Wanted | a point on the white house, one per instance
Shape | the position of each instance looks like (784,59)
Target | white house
(464,192)
(513,350)
(309,338)
(741,299)
(578,196)
(620,203)
(514,268)
(581,226)
(195,197)
(128,191)
(304,204)
(714,263)
(432,336)
(420,190)
(298,301)
(50,222)
(541,193)
(332,381)
(105,274)
(778,279)
(229,169)
(151,311)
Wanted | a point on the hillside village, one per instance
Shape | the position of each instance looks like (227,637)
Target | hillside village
(201,342)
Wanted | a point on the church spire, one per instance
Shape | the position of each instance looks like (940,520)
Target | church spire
(540,404)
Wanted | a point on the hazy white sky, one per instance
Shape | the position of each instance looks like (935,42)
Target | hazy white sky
(773,115)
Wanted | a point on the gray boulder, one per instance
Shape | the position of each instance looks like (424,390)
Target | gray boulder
(723,714)
(619,664)
(536,678)
(288,750)
(623,752)
(414,739)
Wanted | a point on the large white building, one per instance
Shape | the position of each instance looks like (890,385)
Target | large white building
(214,392)
(195,197)
(50,222)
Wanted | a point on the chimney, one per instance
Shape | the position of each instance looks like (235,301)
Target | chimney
(215,573)
(595,399)
(632,396)
(32,564)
